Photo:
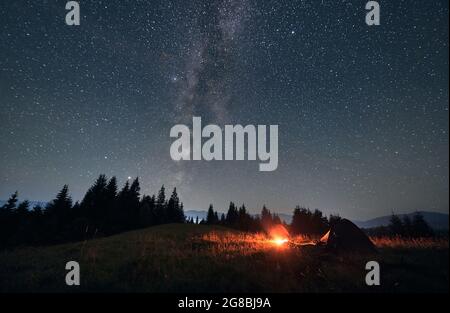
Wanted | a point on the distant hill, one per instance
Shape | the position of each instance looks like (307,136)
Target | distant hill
(197,213)
(438,221)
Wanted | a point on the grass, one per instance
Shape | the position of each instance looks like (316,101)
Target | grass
(198,258)
(410,243)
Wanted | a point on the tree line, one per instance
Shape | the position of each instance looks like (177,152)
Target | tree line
(304,221)
(104,210)
(312,222)
(405,227)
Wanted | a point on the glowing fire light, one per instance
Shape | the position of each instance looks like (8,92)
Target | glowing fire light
(279,235)
(280,241)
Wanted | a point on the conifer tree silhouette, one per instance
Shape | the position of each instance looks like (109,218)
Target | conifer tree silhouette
(211,216)
(58,216)
(232,215)
(160,206)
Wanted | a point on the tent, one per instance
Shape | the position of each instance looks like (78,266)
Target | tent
(344,236)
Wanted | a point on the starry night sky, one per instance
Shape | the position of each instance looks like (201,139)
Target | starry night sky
(362,111)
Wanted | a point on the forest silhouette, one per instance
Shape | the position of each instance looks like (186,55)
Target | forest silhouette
(105,210)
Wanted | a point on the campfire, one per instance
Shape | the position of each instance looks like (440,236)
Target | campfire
(279,235)
(275,237)
(280,241)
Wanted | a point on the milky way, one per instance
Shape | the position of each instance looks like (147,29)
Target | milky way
(362,111)
(211,59)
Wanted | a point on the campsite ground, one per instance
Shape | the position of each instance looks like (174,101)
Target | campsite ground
(194,258)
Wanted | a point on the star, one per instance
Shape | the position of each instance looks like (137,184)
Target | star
(76,103)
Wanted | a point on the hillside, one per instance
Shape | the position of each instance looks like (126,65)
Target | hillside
(194,258)
(437,221)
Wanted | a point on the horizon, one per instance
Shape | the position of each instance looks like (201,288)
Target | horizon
(273,210)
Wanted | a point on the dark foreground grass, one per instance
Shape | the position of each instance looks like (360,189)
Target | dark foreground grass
(197,258)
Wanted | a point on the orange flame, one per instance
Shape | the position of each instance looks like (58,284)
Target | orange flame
(279,241)
(279,235)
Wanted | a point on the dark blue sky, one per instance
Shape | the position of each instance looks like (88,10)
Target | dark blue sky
(362,111)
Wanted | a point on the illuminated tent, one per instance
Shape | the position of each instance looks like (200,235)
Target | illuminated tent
(344,236)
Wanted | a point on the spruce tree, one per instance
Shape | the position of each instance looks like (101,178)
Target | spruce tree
(396,225)
(232,215)
(420,227)
(407,230)
(173,208)
(7,223)
(61,205)
(210,216)
(147,211)
(160,206)
(58,214)
(11,203)
(111,206)
(22,210)
(181,218)
(333,219)
(133,204)
(266,218)
(120,215)
(301,221)
(94,204)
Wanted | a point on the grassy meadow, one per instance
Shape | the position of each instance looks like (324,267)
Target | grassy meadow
(199,258)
